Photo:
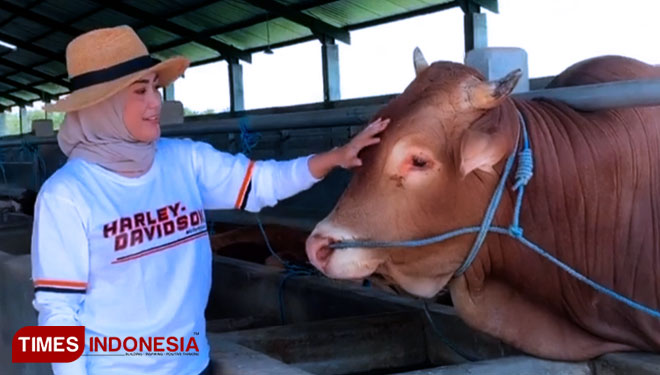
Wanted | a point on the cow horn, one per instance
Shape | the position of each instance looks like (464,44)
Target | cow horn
(419,61)
(487,95)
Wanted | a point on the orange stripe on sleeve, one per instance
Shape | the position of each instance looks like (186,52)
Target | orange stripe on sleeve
(246,182)
(60,283)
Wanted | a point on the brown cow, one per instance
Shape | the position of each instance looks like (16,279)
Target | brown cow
(594,202)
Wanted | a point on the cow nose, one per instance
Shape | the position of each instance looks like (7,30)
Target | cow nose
(318,250)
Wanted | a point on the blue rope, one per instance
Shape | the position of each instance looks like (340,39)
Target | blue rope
(2,169)
(488,218)
(249,140)
(34,155)
(523,175)
(444,339)
(33,152)
(290,270)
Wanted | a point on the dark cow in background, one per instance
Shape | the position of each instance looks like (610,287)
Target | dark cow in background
(594,202)
(17,200)
(248,243)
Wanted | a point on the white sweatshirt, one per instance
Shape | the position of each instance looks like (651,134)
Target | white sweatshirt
(130,257)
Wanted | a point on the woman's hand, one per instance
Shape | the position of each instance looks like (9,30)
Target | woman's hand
(346,156)
(348,153)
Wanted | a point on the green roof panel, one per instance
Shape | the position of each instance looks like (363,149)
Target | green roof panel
(350,12)
(280,30)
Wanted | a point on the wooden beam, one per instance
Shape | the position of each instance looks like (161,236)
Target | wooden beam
(13,16)
(16,99)
(72,21)
(40,19)
(129,10)
(235,26)
(36,73)
(401,16)
(19,86)
(33,48)
(418,12)
(317,26)
(489,4)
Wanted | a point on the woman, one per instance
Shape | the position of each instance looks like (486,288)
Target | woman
(120,243)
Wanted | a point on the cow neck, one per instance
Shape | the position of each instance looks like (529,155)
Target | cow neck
(524,173)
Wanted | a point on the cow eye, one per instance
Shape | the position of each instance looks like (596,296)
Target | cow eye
(418,162)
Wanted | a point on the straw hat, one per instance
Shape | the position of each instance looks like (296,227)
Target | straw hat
(102,62)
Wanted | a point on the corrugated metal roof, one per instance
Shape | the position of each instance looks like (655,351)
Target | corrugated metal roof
(280,30)
(349,12)
(202,30)
(219,14)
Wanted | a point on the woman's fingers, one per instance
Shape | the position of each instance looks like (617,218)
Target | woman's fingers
(367,137)
(371,130)
(371,141)
(374,128)
(377,126)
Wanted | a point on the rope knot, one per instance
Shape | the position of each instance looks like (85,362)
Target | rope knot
(248,139)
(516,231)
(525,169)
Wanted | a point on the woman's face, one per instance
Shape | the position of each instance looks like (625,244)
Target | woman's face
(142,108)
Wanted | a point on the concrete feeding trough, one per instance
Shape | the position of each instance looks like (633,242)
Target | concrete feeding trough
(339,327)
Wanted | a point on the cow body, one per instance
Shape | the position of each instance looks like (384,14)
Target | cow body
(593,203)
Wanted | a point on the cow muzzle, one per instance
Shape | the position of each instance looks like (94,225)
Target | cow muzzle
(352,263)
(319,251)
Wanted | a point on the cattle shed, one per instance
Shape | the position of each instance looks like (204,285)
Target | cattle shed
(263,317)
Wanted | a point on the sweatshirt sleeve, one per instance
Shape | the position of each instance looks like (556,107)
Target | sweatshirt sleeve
(233,181)
(60,266)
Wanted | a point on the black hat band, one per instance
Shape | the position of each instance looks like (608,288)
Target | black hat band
(113,72)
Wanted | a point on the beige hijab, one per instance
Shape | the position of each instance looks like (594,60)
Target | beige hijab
(98,135)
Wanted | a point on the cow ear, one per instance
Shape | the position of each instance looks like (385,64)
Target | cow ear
(419,61)
(486,95)
(486,142)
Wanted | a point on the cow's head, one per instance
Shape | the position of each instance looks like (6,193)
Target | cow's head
(433,171)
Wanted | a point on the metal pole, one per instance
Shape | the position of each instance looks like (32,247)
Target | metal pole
(236,101)
(168,92)
(474,26)
(633,93)
(272,122)
(20,120)
(330,69)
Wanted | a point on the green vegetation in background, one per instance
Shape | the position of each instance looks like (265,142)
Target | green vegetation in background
(12,127)
(189,112)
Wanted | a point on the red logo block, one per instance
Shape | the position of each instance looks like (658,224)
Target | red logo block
(48,344)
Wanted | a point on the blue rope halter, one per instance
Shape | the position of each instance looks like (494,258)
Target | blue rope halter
(524,173)
(248,139)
